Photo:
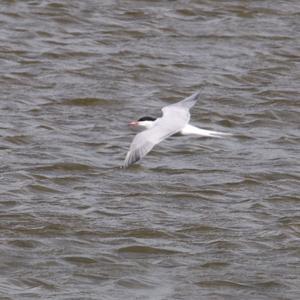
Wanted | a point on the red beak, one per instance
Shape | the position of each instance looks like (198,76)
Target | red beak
(133,123)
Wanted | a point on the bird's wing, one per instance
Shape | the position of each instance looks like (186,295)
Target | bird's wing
(175,117)
(186,103)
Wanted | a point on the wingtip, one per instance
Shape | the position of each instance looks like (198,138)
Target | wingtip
(196,94)
(126,164)
(130,159)
(191,100)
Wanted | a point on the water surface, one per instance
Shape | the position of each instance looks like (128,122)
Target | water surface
(197,218)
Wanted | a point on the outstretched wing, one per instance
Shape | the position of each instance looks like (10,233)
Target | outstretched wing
(175,117)
(186,103)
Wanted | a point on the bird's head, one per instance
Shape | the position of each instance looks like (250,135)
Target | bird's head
(144,123)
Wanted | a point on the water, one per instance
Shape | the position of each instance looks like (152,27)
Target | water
(197,218)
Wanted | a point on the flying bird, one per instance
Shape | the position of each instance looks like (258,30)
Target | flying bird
(175,120)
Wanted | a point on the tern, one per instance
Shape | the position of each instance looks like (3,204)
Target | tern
(174,121)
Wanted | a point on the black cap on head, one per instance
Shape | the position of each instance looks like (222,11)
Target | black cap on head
(146,119)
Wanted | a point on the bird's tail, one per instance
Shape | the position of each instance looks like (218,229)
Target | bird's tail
(193,130)
(216,134)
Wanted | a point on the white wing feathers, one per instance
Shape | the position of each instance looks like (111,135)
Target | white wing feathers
(188,102)
(175,117)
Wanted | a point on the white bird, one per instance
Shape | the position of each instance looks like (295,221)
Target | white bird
(175,120)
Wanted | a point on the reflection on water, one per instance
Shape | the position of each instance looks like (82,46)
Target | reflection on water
(208,218)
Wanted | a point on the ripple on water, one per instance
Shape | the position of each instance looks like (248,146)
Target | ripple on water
(87,102)
(80,260)
(64,167)
(145,251)
(197,218)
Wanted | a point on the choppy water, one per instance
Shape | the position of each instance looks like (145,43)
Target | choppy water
(196,219)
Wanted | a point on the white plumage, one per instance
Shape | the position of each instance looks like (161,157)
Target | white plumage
(174,120)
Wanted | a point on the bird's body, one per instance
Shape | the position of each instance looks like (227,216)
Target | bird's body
(175,120)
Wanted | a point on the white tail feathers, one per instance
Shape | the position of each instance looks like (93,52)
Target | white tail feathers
(193,130)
